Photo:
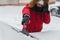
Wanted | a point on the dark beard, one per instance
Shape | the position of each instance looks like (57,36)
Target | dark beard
(37,9)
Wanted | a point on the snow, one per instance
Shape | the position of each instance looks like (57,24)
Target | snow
(12,16)
(7,33)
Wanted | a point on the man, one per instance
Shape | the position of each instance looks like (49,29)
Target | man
(34,15)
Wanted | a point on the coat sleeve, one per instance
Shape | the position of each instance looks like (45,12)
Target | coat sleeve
(26,10)
(46,18)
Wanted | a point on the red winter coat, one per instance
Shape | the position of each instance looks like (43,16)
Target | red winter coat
(36,19)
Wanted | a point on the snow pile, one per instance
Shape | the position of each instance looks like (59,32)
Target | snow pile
(7,33)
(53,25)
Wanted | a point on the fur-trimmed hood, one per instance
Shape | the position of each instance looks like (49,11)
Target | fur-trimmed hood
(33,2)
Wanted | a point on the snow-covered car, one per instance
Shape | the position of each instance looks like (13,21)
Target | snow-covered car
(55,9)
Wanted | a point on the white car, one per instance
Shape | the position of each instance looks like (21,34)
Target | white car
(55,9)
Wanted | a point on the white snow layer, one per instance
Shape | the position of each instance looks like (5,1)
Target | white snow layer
(12,15)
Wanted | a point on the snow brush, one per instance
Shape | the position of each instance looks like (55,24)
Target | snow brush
(18,30)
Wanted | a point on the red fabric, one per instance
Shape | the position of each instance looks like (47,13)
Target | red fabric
(36,19)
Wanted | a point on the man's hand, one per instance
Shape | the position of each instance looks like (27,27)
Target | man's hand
(45,8)
(25,19)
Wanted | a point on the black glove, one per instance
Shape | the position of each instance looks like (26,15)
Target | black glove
(24,31)
(45,8)
(25,19)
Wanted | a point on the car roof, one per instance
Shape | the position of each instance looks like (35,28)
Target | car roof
(56,4)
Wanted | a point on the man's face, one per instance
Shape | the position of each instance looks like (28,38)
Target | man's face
(40,2)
